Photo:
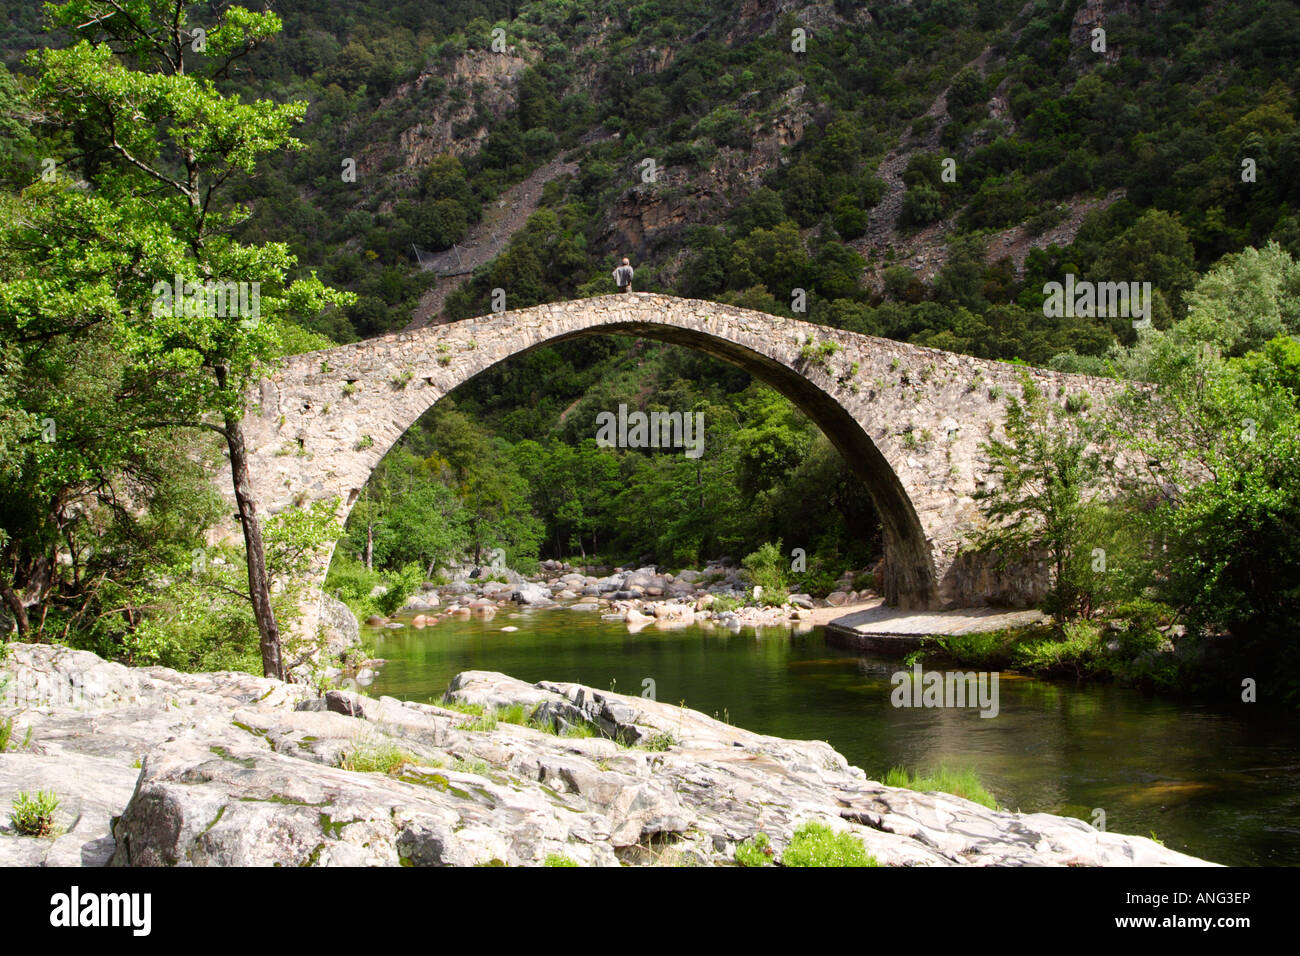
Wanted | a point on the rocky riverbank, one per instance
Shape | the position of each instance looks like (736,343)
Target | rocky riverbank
(154,767)
(717,595)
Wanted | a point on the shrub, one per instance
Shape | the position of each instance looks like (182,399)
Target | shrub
(33,815)
(725,602)
(989,650)
(766,568)
(756,851)
(816,844)
(556,859)
(351,581)
(401,585)
(818,581)
(1077,653)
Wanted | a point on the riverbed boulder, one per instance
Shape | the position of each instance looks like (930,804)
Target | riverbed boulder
(645,578)
(668,610)
(422,601)
(530,593)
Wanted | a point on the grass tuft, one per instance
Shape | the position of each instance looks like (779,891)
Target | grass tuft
(960,783)
(382,757)
(657,742)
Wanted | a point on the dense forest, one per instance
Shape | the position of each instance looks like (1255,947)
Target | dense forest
(903,164)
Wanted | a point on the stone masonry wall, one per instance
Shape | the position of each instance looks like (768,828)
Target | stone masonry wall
(909,420)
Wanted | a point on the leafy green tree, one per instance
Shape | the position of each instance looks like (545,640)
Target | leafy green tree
(922,204)
(805,193)
(441,223)
(776,257)
(1244,301)
(489,485)
(166,144)
(1046,475)
(406,515)
(762,209)
(1154,249)
(967,95)
(770,442)
(1219,439)
(17,143)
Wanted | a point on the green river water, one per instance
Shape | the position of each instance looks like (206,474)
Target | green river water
(1222,785)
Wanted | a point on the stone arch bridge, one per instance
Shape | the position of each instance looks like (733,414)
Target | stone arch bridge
(908,420)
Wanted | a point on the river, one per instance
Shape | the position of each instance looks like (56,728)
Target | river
(1220,785)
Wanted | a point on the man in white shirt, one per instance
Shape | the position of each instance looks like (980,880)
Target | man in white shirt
(623,276)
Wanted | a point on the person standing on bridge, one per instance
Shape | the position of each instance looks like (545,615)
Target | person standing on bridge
(623,276)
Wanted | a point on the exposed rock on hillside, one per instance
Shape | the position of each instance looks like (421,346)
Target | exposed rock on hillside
(479,83)
(648,215)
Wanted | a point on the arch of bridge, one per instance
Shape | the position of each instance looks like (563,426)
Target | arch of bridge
(908,420)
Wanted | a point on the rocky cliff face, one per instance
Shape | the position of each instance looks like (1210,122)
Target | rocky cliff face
(475,86)
(238,770)
(648,215)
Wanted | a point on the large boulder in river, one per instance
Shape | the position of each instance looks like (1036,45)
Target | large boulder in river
(484,573)
(339,625)
(423,601)
(646,579)
(530,593)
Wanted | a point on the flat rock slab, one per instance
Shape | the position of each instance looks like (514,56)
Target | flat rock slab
(882,628)
(153,767)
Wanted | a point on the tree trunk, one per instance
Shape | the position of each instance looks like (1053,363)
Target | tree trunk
(15,603)
(259,584)
(370,547)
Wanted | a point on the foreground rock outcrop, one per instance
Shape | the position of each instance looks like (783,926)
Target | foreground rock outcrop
(155,767)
